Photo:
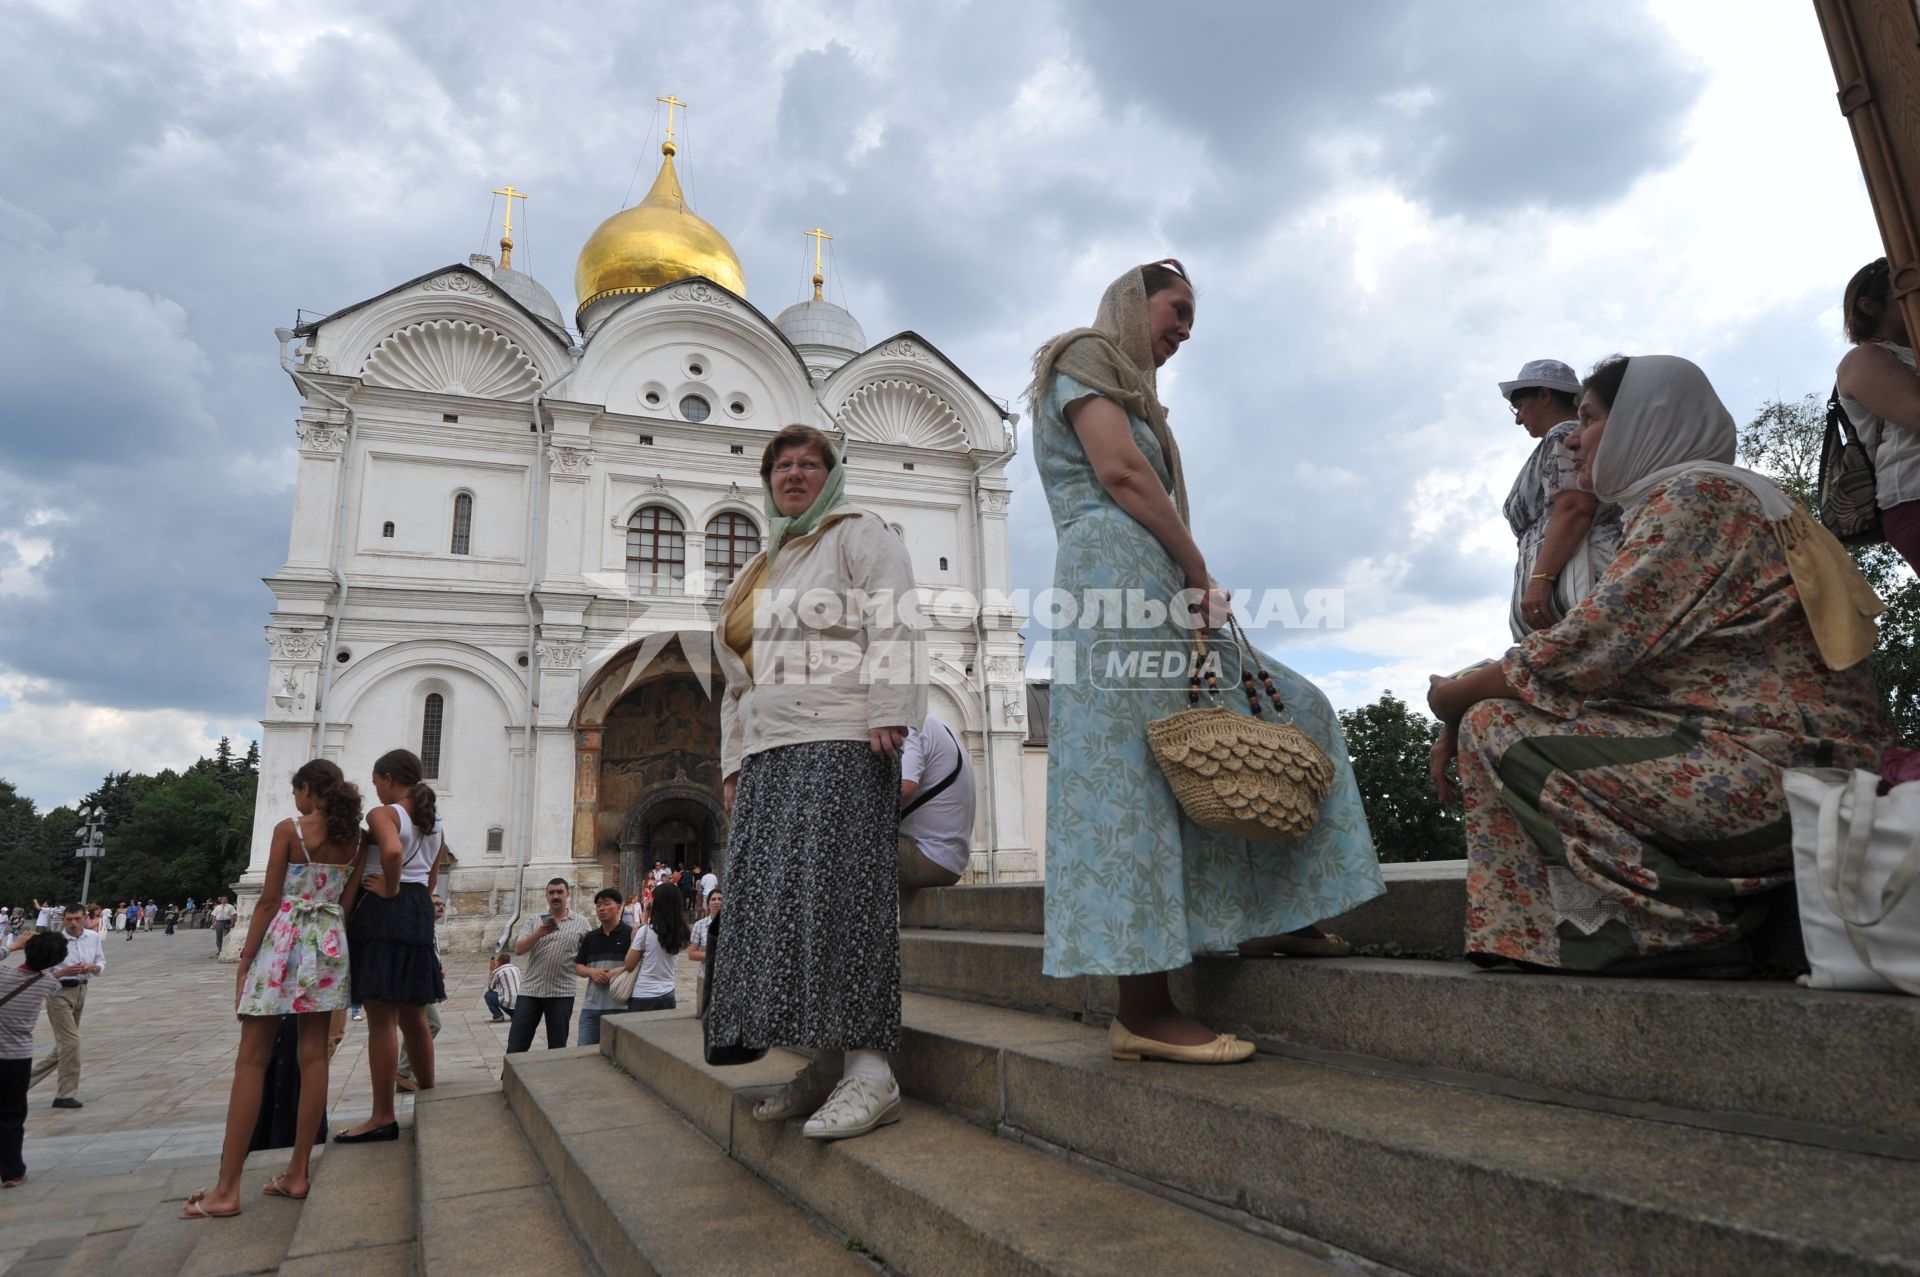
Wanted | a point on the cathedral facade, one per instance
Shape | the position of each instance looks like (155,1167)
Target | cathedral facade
(510,537)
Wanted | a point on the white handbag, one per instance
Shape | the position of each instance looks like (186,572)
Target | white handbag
(1856,856)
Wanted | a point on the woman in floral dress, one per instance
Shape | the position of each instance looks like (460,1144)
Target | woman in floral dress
(294,962)
(1622,767)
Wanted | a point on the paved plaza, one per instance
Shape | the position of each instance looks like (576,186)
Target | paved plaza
(158,1039)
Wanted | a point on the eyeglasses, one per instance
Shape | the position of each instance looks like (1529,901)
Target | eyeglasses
(1519,397)
(788,467)
(1172,264)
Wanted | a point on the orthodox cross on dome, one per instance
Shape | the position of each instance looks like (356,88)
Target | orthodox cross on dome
(667,147)
(819,237)
(506,232)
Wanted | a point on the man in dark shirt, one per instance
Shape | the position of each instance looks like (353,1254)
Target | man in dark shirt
(602,954)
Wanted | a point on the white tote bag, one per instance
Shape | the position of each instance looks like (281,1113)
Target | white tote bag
(1855,858)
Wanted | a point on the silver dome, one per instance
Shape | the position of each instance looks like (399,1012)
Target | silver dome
(823,324)
(529,292)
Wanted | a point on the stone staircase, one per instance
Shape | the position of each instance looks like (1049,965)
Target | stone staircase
(459,1192)
(1403,1115)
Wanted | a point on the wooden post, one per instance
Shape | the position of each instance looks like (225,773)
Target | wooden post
(1875,49)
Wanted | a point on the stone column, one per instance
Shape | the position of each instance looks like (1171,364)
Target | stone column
(569,468)
(322,433)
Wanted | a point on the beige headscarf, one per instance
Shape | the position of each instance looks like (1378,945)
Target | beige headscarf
(1666,421)
(1115,358)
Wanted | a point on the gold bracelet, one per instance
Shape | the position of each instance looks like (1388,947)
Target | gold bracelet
(1542,576)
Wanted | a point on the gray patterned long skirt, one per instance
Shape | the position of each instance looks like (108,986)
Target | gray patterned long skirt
(809,953)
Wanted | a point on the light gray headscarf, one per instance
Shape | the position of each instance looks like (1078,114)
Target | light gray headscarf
(1667,421)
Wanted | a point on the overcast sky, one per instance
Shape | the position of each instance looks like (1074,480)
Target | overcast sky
(1387,207)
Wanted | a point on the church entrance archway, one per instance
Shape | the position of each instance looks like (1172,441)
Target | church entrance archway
(678,826)
(647,781)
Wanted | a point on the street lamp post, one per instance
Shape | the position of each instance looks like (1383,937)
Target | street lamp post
(93,840)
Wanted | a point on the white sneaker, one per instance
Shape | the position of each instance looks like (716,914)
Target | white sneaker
(854,1108)
(802,1095)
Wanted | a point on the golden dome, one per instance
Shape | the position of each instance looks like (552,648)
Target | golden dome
(652,244)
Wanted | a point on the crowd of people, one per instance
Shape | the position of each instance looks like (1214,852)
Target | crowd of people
(1682,631)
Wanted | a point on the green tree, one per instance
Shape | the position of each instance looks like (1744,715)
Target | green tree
(1390,742)
(1784,442)
(251,763)
(223,756)
(176,842)
(26,871)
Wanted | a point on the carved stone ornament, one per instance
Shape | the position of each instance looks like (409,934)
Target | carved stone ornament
(994,500)
(452,357)
(659,484)
(318,436)
(296,645)
(1003,669)
(457,282)
(905,348)
(901,412)
(703,293)
(319,364)
(734,493)
(561,656)
(569,462)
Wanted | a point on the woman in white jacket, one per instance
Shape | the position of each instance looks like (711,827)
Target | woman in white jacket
(825,674)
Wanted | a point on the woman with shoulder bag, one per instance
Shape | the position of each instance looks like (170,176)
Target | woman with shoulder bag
(1134,888)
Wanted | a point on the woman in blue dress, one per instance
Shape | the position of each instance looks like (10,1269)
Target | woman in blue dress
(1134,888)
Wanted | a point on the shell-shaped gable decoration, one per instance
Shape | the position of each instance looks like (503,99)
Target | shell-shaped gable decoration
(452,357)
(902,412)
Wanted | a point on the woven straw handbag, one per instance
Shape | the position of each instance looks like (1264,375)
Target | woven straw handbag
(1243,774)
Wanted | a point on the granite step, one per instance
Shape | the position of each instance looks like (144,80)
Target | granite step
(254,1241)
(647,1191)
(359,1214)
(937,1194)
(485,1202)
(1829,1068)
(1423,911)
(1428,1178)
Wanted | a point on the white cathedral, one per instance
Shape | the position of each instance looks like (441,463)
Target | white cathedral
(509,540)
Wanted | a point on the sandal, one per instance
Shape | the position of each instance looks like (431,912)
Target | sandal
(273,1189)
(194,1210)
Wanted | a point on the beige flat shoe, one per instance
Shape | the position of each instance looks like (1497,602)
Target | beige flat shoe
(1224,1049)
(1285,946)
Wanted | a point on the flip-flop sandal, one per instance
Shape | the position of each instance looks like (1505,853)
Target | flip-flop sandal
(273,1189)
(194,1210)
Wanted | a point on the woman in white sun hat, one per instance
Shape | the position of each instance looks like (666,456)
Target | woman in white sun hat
(1567,537)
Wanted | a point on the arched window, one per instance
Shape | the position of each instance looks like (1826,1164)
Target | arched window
(656,551)
(496,838)
(463,523)
(386,529)
(432,720)
(731,541)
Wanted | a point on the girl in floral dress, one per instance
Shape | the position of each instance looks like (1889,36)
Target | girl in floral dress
(294,962)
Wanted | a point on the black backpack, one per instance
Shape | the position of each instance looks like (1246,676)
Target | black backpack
(1846,487)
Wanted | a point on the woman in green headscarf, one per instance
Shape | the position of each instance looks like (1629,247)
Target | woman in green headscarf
(1134,888)
(825,674)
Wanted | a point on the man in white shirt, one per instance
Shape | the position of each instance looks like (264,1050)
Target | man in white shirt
(936,807)
(223,915)
(85,960)
(708,881)
(47,917)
